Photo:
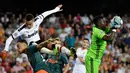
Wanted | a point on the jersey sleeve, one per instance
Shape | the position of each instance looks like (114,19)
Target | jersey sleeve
(65,50)
(99,33)
(18,32)
(107,30)
(65,59)
(39,18)
(85,55)
(46,51)
(78,52)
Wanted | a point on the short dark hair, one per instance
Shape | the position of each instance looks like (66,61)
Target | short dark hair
(22,41)
(97,19)
(86,39)
(29,17)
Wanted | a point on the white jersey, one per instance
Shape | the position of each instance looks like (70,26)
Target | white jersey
(30,35)
(79,67)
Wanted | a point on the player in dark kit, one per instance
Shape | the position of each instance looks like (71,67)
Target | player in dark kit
(37,62)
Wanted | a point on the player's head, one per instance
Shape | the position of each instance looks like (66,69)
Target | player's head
(22,46)
(57,41)
(100,22)
(85,43)
(29,20)
(49,45)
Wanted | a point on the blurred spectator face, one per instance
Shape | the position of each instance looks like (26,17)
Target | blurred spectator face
(21,47)
(18,63)
(20,16)
(28,68)
(110,16)
(24,59)
(1,70)
(71,34)
(70,17)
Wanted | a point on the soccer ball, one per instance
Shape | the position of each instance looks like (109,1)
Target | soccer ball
(116,22)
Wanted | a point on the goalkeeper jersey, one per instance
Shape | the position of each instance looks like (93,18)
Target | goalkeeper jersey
(98,45)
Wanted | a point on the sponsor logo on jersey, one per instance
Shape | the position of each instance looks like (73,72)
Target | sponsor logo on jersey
(35,32)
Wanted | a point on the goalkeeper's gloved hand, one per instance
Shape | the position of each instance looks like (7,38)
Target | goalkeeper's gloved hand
(55,51)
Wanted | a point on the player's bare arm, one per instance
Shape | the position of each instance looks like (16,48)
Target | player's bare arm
(43,44)
(110,36)
(66,68)
(115,24)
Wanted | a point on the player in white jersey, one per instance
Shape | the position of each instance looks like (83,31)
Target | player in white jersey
(29,30)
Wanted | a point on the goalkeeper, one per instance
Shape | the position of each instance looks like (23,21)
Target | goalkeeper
(98,45)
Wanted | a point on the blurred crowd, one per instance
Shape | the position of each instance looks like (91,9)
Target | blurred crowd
(71,30)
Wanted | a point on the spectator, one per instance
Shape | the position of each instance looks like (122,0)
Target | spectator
(2,69)
(16,68)
(121,69)
(70,20)
(70,40)
(28,69)
(85,19)
(88,35)
(52,19)
(68,29)
(64,24)
(52,30)
(63,35)
(5,21)
(79,66)
(25,62)
(7,66)
(77,18)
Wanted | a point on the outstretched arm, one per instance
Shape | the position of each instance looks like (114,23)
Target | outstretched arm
(46,51)
(16,34)
(111,36)
(7,43)
(57,9)
(40,17)
(43,44)
(66,68)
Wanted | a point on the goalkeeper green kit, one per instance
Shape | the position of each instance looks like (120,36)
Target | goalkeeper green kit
(96,51)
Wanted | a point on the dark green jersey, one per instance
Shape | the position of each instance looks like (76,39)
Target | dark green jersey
(57,67)
(35,59)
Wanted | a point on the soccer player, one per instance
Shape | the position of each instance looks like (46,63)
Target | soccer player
(98,45)
(79,66)
(34,56)
(29,30)
(58,63)
(62,48)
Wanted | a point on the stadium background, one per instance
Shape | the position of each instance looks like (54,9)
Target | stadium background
(116,58)
(70,6)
